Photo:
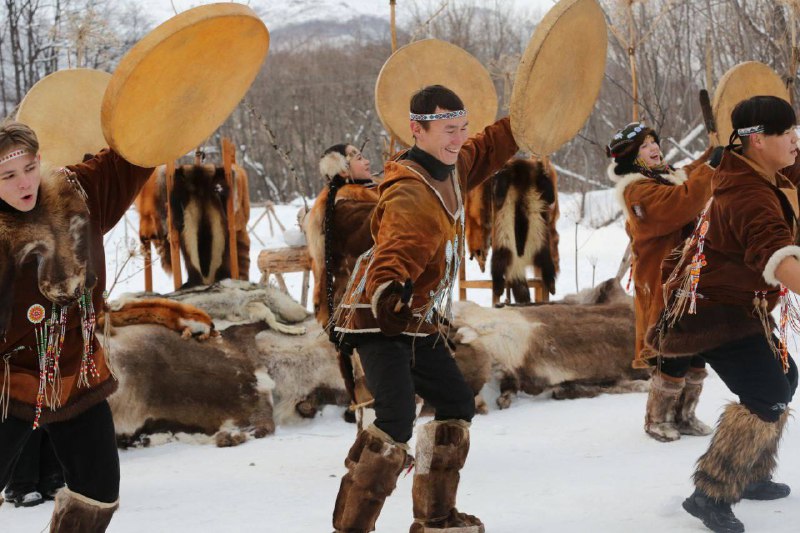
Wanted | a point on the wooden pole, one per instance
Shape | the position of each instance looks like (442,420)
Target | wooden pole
(632,59)
(148,267)
(393,26)
(393,23)
(228,160)
(174,239)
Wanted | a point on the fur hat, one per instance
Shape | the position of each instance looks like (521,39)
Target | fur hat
(624,146)
(334,162)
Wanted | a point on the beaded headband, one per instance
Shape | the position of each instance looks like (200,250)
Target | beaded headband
(744,132)
(438,116)
(13,155)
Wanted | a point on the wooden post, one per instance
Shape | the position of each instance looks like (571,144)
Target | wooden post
(228,160)
(148,267)
(632,59)
(174,239)
(393,27)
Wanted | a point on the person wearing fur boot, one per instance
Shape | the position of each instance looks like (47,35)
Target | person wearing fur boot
(397,300)
(58,380)
(739,262)
(660,205)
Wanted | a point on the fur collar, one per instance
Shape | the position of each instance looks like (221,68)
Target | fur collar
(676,177)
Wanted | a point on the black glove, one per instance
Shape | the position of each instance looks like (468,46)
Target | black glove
(392,310)
(716,157)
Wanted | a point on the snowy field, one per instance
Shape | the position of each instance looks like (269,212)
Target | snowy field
(541,466)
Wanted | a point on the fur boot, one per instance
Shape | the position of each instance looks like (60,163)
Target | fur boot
(75,513)
(685,417)
(659,419)
(442,448)
(373,466)
(763,488)
(740,442)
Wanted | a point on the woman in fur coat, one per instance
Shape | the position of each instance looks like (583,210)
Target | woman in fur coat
(660,205)
(337,227)
(52,278)
(740,261)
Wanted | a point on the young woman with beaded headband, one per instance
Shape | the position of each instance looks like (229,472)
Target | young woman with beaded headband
(394,305)
(54,373)
(738,264)
(661,205)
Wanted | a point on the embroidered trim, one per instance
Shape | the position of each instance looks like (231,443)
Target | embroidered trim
(744,132)
(13,155)
(438,116)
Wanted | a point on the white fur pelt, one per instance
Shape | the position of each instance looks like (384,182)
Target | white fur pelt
(305,371)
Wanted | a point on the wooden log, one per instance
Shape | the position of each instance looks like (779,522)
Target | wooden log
(290,259)
(228,160)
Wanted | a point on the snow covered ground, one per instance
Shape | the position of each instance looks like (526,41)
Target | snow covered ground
(540,466)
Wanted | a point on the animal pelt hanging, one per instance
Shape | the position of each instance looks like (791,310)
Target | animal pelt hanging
(199,209)
(478,222)
(53,235)
(523,233)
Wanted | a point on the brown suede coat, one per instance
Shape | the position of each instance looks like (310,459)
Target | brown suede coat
(351,226)
(658,217)
(412,230)
(111,184)
(751,230)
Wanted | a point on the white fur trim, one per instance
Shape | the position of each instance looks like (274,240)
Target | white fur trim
(66,493)
(622,184)
(776,259)
(333,164)
(382,287)
(677,177)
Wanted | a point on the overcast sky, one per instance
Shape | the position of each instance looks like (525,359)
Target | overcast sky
(161,10)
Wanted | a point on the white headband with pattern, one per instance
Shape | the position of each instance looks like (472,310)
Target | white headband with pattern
(13,155)
(438,116)
(744,132)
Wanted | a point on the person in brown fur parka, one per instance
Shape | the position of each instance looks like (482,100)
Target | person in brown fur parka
(739,262)
(337,227)
(660,205)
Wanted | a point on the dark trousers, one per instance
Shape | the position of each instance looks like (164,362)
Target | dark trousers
(397,368)
(85,446)
(752,371)
(678,367)
(37,467)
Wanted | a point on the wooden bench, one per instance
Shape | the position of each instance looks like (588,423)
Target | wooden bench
(540,293)
(278,261)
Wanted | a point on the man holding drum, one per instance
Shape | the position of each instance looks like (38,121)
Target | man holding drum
(394,311)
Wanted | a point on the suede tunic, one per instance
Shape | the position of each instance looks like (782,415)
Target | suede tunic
(658,217)
(416,237)
(111,184)
(751,229)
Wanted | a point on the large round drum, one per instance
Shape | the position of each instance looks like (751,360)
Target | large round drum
(741,82)
(559,77)
(431,62)
(64,111)
(181,81)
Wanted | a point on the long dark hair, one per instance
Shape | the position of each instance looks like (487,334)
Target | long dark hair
(335,183)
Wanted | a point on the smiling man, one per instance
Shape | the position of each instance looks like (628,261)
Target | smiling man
(398,299)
